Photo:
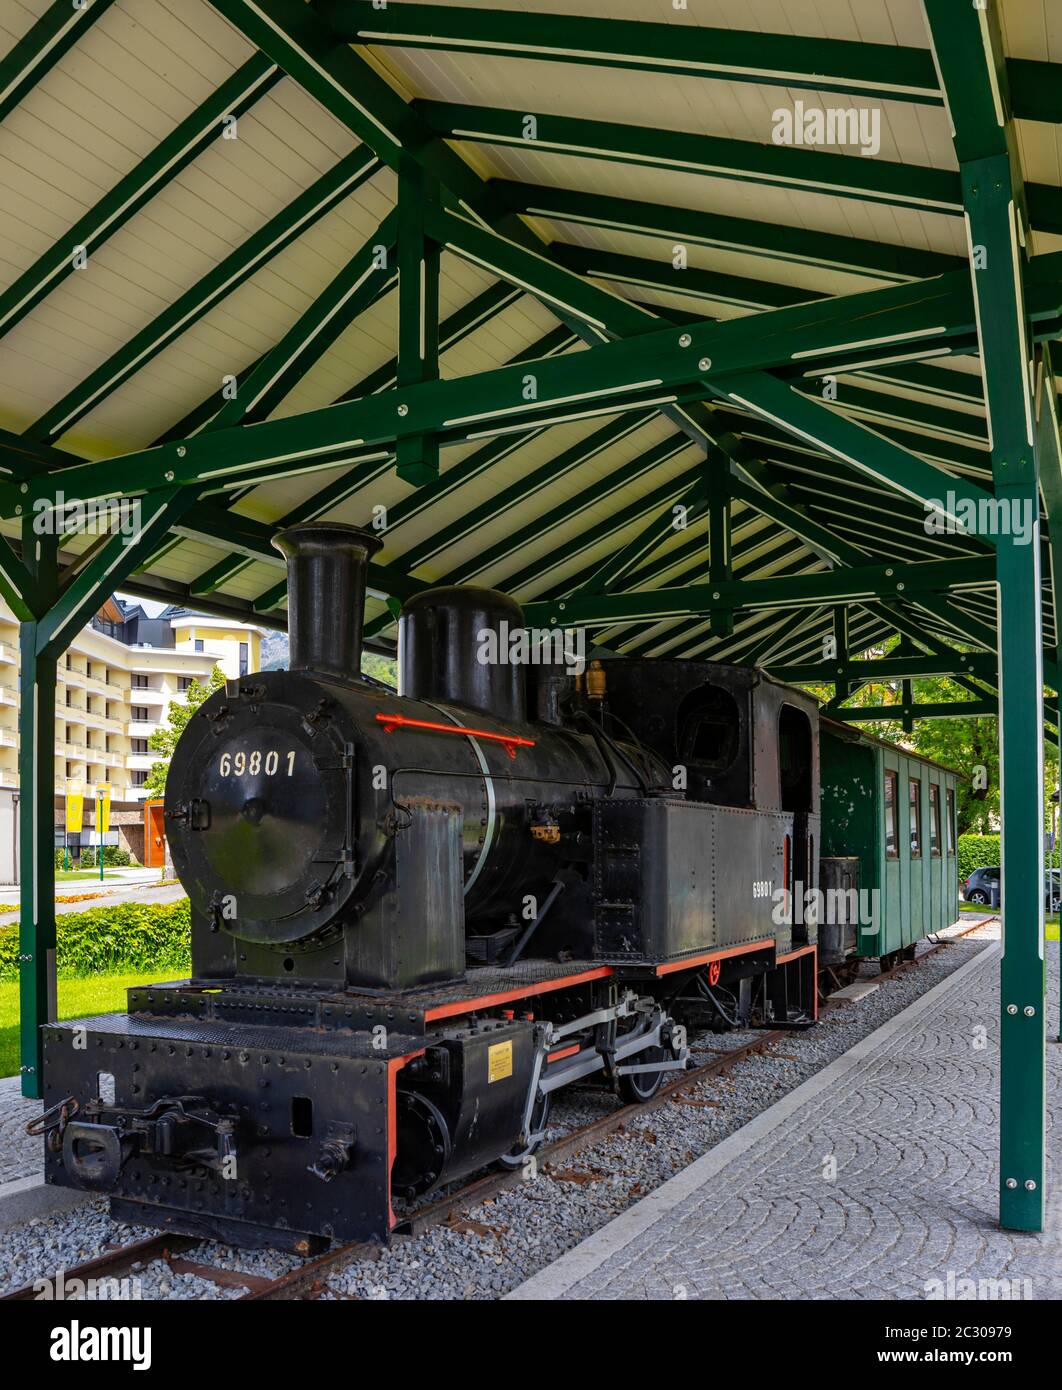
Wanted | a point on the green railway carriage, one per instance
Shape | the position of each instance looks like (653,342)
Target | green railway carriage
(889,834)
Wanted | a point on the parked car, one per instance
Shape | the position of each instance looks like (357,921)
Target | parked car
(983,887)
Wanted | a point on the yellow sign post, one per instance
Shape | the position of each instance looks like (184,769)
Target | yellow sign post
(75,812)
(103,816)
(75,805)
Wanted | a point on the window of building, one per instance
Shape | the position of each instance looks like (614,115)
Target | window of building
(892,844)
(199,644)
(139,745)
(139,682)
(934,820)
(140,713)
(243,658)
(951,820)
(184,682)
(138,777)
(914,796)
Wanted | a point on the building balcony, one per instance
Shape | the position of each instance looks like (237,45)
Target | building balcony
(145,696)
(8,654)
(9,696)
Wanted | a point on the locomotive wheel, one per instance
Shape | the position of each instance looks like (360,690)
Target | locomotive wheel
(519,1153)
(638,1087)
(423,1148)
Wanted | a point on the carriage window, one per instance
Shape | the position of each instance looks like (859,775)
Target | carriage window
(914,788)
(951,820)
(892,844)
(709,729)
(794,759)
(934,820)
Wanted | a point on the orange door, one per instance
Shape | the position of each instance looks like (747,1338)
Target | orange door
(154,835)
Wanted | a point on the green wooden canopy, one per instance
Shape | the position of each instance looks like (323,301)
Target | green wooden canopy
(721,330)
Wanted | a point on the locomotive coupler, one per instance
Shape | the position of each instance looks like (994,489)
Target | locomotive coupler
(335,1153)
(97,1147)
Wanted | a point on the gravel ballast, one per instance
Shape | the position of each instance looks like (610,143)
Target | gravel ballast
(490,1249)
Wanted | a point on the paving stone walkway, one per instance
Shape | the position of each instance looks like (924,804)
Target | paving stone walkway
(875,1179)
(20,1156)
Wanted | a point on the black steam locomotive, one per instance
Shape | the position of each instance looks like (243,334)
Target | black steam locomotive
(416,916)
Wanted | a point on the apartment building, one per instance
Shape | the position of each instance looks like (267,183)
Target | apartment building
(114,687)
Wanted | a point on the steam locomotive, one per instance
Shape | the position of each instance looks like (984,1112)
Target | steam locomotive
(416,916)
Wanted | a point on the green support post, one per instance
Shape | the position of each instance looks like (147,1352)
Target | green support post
(720,568)
(1022,1126)
(841,687)
(968,47)
(55,606)
(417,458)
(1049,460)
(36,779)
(1022,974)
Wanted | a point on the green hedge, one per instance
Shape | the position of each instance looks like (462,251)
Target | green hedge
(126,937)
(975,851)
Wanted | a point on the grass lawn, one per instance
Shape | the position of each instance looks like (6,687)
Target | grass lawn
(95,994)
(80,875)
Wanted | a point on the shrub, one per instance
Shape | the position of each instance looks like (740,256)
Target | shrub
(125,937)
(975,851)
(114,857)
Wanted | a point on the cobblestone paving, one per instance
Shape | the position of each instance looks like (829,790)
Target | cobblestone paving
(20,1156)
(913,1132)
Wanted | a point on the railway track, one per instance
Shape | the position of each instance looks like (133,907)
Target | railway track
(308,1279)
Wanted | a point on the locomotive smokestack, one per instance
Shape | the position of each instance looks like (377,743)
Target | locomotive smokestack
(328,564)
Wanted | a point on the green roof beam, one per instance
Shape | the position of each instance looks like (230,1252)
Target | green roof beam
(42,47)
(843,584)
(351,291)
(692,227)
(732,55)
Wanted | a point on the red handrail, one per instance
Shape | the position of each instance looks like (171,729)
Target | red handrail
(511,742)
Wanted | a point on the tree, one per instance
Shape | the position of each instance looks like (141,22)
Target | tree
(164,739)
(381,668)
